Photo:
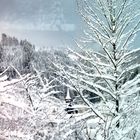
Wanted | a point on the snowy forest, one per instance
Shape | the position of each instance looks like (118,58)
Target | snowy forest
(75,94)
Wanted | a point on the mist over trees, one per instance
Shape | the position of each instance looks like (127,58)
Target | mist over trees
(79,94)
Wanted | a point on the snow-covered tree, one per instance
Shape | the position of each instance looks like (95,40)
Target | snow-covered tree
(28,108)
(113,25)
(15,109)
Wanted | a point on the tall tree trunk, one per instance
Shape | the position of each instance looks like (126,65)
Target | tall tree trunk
(116,84)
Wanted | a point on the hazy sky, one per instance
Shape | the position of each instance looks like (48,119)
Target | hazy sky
(34,19)
(30,18)
(29,10)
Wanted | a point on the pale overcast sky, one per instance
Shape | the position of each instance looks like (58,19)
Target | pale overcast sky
(28,10)
(32,19)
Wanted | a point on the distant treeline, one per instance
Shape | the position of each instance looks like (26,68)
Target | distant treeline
(18,54)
